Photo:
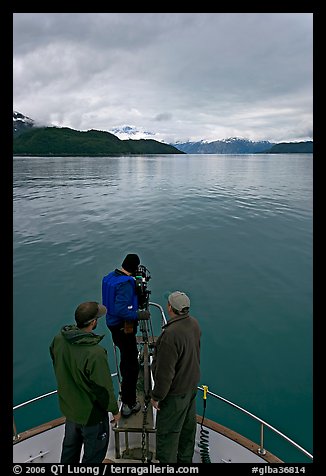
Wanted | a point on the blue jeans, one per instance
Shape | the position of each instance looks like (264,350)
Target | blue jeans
(95,439)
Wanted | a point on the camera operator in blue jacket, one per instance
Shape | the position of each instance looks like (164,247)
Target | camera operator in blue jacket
(120,298)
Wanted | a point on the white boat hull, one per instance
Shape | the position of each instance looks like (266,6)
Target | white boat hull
(43,445)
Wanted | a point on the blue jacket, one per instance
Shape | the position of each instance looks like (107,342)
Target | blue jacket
(119,297)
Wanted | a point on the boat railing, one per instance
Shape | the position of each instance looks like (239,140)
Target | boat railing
(261,450)
(160,308)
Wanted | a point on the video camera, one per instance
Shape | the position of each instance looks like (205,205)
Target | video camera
(142,277)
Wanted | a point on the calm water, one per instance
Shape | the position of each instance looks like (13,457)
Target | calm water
(234,232)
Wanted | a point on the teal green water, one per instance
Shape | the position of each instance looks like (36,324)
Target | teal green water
(234,232)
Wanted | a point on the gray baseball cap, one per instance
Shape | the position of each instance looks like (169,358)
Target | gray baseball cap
(86,312)
(179,301)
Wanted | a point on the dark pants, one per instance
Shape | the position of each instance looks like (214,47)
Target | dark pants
(95,439)
(129,366)
(176,428)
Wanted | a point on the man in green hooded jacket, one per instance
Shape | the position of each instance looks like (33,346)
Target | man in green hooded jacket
(85,387)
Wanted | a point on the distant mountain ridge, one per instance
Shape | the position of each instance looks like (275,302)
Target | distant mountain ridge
(232,145)
(46,141)
(235,145)
(292,148)
(30,139)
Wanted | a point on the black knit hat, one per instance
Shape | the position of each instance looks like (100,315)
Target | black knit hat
(131,263)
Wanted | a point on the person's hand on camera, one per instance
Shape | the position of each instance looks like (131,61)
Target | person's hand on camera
(143,315)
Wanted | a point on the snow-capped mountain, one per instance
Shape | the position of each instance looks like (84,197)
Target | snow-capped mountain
(132,132)
(232,145)
(21,123)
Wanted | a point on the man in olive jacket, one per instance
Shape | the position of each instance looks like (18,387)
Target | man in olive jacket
(176,373)
(85,387)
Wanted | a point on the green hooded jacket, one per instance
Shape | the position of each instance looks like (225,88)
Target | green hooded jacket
(85,387)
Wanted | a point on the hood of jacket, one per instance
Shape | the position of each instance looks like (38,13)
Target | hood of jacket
(76,336)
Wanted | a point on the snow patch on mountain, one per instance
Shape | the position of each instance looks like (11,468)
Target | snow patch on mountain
(19,117)
(131,132)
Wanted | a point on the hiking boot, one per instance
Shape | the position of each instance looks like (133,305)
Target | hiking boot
(127,411)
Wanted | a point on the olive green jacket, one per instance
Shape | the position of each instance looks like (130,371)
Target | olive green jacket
(85,387)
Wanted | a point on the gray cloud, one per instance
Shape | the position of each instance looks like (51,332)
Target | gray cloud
(164,116)
(181,75)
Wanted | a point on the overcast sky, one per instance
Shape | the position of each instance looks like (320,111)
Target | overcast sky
(180,76)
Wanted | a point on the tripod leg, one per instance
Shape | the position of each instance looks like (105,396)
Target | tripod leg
(146,371)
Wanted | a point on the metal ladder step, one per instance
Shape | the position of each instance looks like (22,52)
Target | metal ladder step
(135,424)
